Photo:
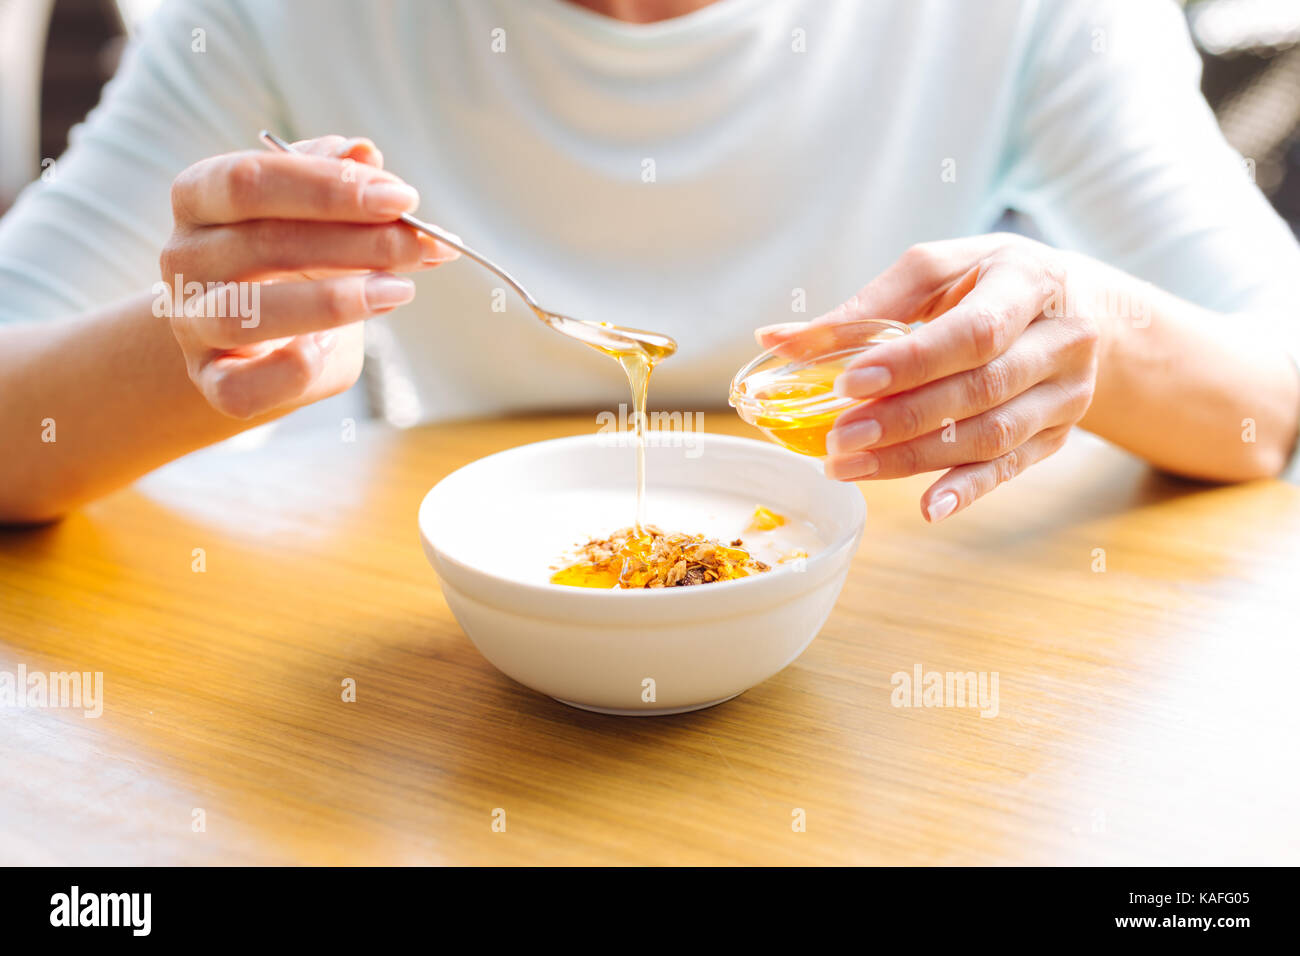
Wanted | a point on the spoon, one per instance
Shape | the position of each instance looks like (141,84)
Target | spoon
(611,339)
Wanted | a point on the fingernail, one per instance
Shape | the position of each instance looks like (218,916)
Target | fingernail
(433,252)
(385,291)
(389,199)
(941,507)
(851,437)
(326,341)
(779,328)
(851,467)
(350,144)
(862,382)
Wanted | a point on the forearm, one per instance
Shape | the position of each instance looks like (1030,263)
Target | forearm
(88,404)
(1193,392)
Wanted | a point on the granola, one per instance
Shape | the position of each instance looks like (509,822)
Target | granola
(656,559)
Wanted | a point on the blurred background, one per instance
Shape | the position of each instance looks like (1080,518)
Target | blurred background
(55,55)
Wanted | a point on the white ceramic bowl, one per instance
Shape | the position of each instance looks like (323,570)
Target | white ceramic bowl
(492,529)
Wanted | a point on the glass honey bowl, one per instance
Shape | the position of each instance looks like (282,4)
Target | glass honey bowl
(788,391)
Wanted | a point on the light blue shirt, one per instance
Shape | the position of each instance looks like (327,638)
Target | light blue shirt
(754,162)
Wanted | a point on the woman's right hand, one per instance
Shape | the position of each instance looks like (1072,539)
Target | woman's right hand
(291,254)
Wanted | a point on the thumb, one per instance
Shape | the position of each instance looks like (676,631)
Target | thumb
(923,283)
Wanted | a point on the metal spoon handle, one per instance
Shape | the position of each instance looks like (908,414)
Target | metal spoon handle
(446,238)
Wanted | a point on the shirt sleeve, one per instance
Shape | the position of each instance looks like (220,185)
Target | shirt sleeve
(1115,153)
(91,230)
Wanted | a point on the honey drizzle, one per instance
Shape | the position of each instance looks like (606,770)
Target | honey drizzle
(638,368)
(638,362)
(634,563)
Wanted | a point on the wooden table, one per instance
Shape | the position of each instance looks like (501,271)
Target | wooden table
(1147,713)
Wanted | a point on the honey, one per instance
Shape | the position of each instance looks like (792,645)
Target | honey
(765,519)
(648,558)
(796,409)
(788,392)
(637,364)
(642,556)
(603,574)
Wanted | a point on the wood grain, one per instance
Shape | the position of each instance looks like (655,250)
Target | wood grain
(1146,712)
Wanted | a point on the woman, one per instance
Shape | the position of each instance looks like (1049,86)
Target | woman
(691,167)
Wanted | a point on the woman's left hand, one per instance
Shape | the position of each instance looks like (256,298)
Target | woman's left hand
(992,383)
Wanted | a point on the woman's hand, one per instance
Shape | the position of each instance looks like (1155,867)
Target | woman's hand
(289,254)
(1004,366)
